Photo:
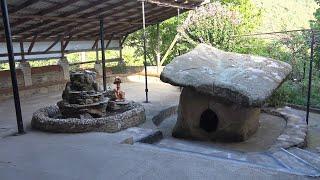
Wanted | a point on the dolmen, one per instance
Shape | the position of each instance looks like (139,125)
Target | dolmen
(222,93)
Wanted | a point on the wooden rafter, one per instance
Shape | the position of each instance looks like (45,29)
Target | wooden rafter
(66,14)
(44,12)
(173,4)
(123,40)
(108,43)
(80,21)
(67,42)
(150,15)
(32,44)
(22,51)
(23,5)
(52,45)
(85,15)
(95,44)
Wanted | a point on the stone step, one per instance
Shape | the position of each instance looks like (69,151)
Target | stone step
(136,134)
(201,149)
(294,163)
(280,160)
(264,159)
(310,157)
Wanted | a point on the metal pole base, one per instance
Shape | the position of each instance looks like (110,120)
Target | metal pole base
(19,133)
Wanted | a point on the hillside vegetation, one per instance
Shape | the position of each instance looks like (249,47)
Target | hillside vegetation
(278,15)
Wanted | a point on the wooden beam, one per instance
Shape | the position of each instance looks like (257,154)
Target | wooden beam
(97,54)
(22,6)
(62,47)
(67,42)
(52,45)
(169,49)
(108,43)
(169,4)
(41,13)
(32,44)
(87,15)
(124,39)
(158,53)
(133,21)
(22,51)
(69,13)
(152,14)
(55,18)
(95,44)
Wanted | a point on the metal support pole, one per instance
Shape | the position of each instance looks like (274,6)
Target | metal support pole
(145,51)
(310,75)
(6,24)
(103,55)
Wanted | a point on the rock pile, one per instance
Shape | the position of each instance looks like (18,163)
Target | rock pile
(82,98)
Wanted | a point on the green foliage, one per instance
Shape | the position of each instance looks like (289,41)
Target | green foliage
(212,24)
(167,32)
(292,48)
(216,28)
(278,15)
(315,24)
(296,93)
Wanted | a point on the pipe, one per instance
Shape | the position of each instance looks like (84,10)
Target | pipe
(15,88)
(310,76)
(145,51)
(103,55)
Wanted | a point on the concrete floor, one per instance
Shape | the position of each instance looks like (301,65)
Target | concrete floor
(38,155)
(160,95)
(270,128)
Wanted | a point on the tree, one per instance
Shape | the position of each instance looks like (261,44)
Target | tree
(315,24)
(234,17)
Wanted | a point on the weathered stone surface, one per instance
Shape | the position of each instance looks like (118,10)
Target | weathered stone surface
(243,79)
(295,133)
(232,122)
(81,96)
(45,119)
(142,135)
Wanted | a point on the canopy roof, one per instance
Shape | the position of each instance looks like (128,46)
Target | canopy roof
(78,20)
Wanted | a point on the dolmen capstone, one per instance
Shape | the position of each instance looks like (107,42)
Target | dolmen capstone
(222,92)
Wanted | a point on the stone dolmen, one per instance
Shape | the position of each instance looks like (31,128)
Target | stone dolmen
(222,92)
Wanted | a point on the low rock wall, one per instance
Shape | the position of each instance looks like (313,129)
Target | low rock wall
(47,79)
(44,120)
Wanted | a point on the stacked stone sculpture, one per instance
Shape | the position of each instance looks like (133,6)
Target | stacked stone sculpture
(82,98)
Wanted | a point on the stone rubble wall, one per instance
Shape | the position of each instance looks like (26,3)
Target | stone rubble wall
(5,79)
(33,80)
(295,133)
(43,120)
(47,79)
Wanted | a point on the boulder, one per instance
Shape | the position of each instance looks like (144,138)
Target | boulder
(245,80)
